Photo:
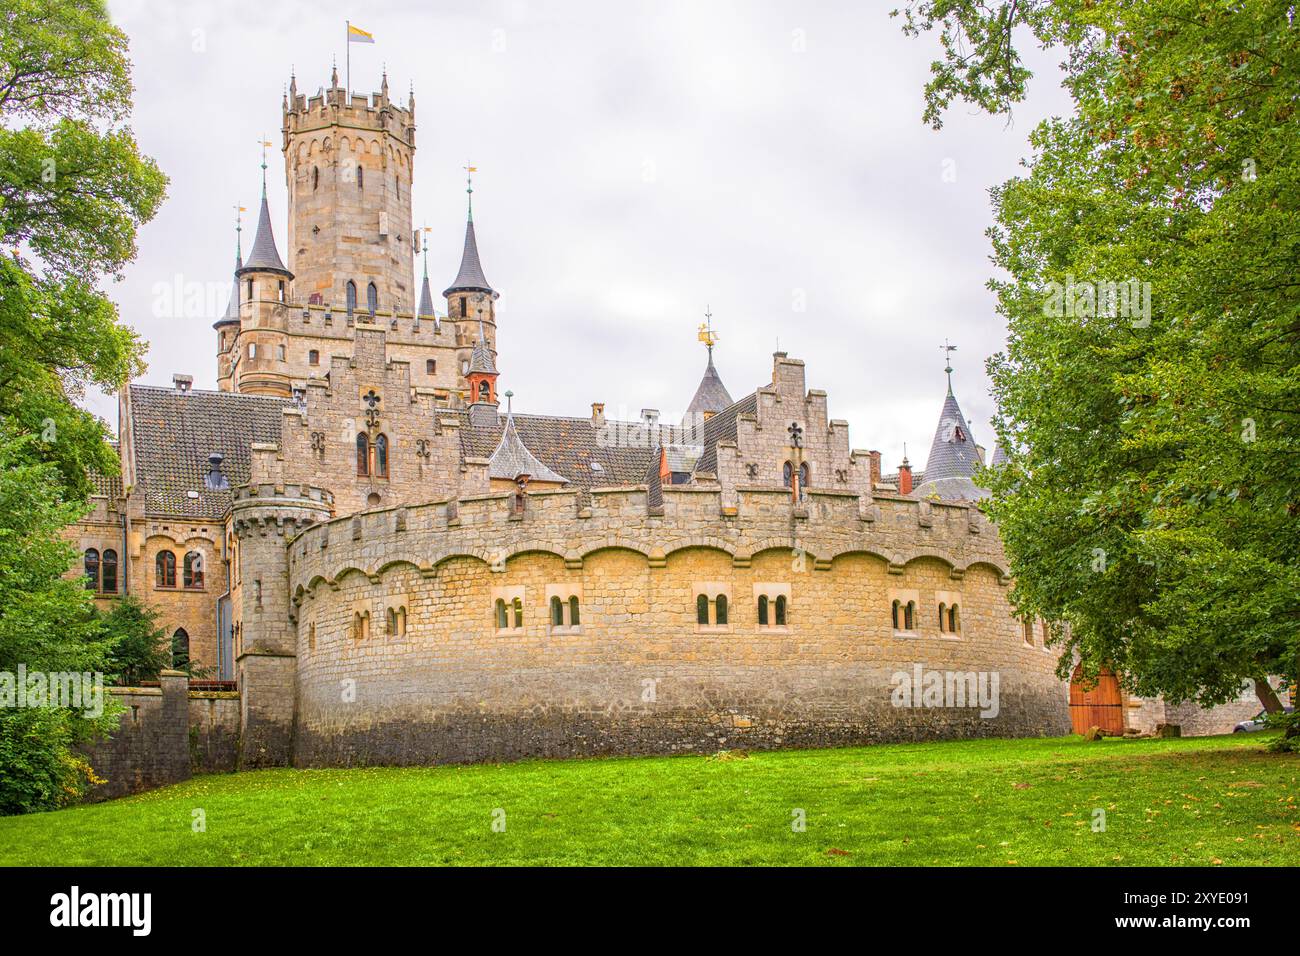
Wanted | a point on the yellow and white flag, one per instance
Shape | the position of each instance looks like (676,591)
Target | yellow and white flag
(358,35)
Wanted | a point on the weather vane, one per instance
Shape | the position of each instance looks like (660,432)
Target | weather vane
(470,170)
(707,335)
(948,350)
(264,144)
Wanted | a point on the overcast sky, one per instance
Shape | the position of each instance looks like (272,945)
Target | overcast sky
(637,162)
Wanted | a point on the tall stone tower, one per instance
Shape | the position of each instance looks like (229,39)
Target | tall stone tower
(349,165)
(260,365)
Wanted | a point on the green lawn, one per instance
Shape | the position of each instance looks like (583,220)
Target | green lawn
(1203,801)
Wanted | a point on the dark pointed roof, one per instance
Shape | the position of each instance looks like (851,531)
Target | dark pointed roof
(953,458)
(264,257)
(512,458)
(231,316)
(426,300)
(480,360)
(470,278)
(999,456)
(712,396)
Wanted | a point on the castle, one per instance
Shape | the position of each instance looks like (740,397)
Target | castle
(392,565)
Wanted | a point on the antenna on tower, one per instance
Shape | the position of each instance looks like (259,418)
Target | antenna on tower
(470,170)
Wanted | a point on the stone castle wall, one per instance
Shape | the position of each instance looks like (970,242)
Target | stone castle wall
(638,674)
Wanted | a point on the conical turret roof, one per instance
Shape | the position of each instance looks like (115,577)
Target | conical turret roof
(953,458)
(512,458)
(264,257)
(480,360)
(426,300)
(231,316)
(470,278)
(711,396)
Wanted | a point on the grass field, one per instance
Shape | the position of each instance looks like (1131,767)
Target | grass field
(1203,801)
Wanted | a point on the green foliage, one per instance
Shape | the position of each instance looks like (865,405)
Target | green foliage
(139,644)
(1153,494)
(73,191)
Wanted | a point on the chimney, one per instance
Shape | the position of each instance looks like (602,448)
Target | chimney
(650,416)
(182,383)
(215,480)
(597,413)
(904,478)
(980,450)
(875,468)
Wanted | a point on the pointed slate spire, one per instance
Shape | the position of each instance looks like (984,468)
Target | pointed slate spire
(265,257)
(480,360)
(953,456)
(470,278)
(711,397)
(231,315)
(512,458)
(426,296)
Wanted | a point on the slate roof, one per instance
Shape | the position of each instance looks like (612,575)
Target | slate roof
(567,446)
(512,458)
(722,427)
(174,433)
(264,257)
(952,453)
(480,360)
(470,278)
(999,456)
(231,315)
(711,396)
(110,486)
(426,300)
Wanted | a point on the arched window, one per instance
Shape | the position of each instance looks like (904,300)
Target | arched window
(361,177)
(894,610)
(721,609)
(943,617)
(503,621)
(363,454)
(484,392)
(952,619)
(762,610)
(1029,632)
(372,298)
(108,572)
(574,620)
(350,295)
(392,620)
(557,612)
(192,573)
(381,456)
(91,563)
(356,625)
(787,474)
(780,610)
(909,616)
(702,609)
(315,177)
(165,570)
(803,479)
(464,307)
(313,357)
(180,649)
(401,620)
(519,612)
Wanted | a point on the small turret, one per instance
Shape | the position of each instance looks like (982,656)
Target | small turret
(228,325)
(470,299)
(954,456)
(482,375)
(261,368)
(711,396)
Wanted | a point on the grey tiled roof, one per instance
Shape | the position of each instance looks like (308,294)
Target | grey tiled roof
(426,300)
(722,427)
(682,458)
(952,453)
(480,360)
(470,278)
(512,458)
(110,486)
(999,456)
(568,446)
(950,489)
(231,316)
(264,255)
(174,433)
(711,396)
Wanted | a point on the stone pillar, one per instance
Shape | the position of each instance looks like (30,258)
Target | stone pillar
(265,517)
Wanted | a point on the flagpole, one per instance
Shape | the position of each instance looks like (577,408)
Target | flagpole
(347,45)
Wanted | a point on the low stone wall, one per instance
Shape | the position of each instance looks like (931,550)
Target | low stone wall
(165,734)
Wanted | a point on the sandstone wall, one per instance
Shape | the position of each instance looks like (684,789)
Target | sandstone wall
(638,674)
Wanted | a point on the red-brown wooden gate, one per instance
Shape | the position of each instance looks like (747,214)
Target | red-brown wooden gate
(1098,705)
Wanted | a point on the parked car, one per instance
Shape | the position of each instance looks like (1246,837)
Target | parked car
(1256,722)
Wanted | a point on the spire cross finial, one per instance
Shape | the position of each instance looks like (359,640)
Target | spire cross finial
(948,350)
(239,228)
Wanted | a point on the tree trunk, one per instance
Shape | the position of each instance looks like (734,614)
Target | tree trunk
(1267,696)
